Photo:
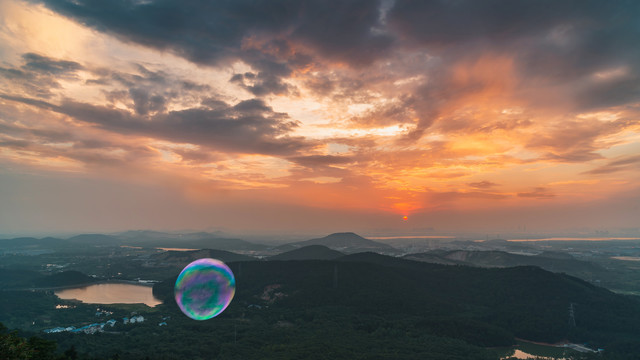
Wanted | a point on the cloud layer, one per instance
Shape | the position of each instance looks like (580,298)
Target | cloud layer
(385,107)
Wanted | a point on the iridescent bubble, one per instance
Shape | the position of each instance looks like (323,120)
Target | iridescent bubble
(204,288)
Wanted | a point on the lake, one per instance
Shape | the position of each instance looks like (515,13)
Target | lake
(626,258)
(527,350)
(111,293)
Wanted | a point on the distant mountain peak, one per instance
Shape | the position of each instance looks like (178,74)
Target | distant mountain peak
(346,233)
(348,242)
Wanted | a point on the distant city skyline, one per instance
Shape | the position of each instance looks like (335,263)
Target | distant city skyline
(318,117)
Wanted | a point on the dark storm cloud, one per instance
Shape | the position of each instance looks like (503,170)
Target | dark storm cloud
(352,87)
(556,39)
(38,74)
(556,43)
(148,91)
(583,33)
(444,22)
(344,30)
(206,32)
(192,86)
(262,84)
(130,80)
(397,112)
(43,64)
(611,93)
(145,102)
(249,126)
(441,23)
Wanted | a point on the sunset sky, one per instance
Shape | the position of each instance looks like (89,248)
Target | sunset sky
(319,116)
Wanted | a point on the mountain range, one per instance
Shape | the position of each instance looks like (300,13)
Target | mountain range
(135,238)
(552,261)
(346,242)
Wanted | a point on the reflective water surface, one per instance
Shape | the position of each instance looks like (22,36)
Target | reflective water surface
(526,350)
(111,293)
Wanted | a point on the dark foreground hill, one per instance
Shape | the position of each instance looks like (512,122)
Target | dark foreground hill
(364,298)
(182,258)
(359,306)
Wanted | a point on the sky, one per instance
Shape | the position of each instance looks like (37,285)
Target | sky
(319,116)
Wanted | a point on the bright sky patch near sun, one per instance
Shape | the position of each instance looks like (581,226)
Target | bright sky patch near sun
(319,116)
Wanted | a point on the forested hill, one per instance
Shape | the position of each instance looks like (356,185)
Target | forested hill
(65,278)
(22,279)
(552,261)
(486,307)
(182,258)
(310,252)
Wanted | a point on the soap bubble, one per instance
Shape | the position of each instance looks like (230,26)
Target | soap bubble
(204,288)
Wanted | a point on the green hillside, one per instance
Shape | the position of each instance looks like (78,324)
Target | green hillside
(484,307)
(11,278)
(551,261)
(359,306)
(182,258)
(22,279)
(311,252)
(65,278)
